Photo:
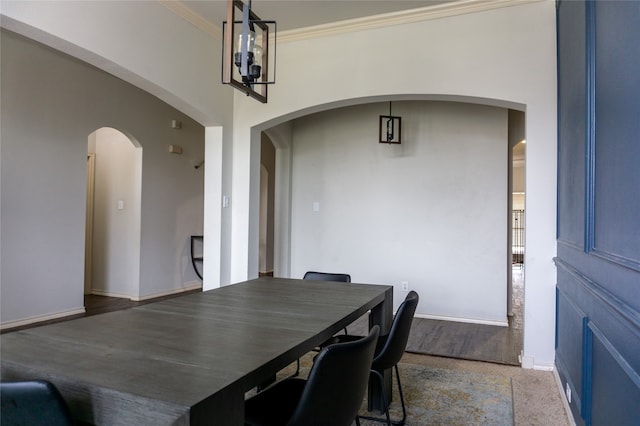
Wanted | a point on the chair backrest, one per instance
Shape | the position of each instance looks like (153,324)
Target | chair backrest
(33,403)
(337,383)
(396,341)
(327,276)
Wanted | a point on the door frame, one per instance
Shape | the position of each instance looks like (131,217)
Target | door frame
(88,239)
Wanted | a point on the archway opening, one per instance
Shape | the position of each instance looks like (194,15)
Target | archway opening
(312,161)
(114,193)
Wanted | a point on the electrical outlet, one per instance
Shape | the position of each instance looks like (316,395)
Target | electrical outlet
(568,392)
(405,285)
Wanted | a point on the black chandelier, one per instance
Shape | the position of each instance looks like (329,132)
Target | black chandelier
(248,51)
(390,128)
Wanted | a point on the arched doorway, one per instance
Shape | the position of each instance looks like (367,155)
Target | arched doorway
(335,144)
(267,189)
(114,187)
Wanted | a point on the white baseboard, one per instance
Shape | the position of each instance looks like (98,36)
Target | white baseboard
(40,318)
(565,403)
(529,363)
(504,323)
(543,367)
(194,286)
(110,294)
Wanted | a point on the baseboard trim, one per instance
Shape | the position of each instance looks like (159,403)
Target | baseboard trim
(504,323)
(41,318)
(565,403)
(191,287)
(543,367)
(110,294)
(528,363)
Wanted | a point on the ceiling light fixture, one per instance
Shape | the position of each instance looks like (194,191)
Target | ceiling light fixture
(390,128)
(248,51)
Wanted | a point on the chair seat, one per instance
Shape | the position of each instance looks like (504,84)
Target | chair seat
(33,403)
(275,405)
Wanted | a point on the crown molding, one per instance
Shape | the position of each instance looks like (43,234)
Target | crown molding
(398,18)
(192,17)
(359,24)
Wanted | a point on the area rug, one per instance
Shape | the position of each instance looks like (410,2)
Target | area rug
(435,396)
(442,397)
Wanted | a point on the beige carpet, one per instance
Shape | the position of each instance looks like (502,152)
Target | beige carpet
(537,400)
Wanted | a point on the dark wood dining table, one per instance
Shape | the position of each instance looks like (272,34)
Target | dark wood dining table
(188,360)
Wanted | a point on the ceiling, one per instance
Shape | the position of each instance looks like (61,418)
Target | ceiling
(294,14)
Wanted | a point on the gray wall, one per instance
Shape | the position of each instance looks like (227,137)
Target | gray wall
(51,103)
(431,211)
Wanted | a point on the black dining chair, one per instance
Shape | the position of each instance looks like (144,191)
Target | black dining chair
(33,403)
(324,276)
(331,395)
(389,351)
(328,276)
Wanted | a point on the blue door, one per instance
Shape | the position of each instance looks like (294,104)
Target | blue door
(598,261)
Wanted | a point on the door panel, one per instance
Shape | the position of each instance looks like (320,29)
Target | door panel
(571,194)
(598,262)
(617,130)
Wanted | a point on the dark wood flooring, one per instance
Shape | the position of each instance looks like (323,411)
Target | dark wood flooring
(466,341)
(94,305)
(476,342)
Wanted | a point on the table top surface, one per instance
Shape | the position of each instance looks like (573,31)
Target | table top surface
(184,349)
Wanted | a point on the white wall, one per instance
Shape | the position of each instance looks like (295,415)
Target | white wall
(431,211)
(503,57)
(117,205)
(51,103)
